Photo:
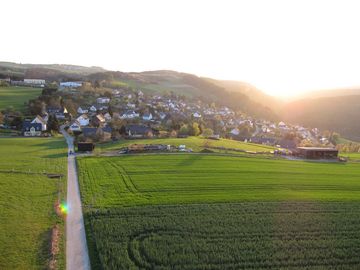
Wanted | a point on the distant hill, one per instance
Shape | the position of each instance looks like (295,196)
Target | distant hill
(339,114)
(49,72)
(351,91)
(251,91)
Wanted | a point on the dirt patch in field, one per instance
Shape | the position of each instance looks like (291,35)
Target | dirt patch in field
(54,247)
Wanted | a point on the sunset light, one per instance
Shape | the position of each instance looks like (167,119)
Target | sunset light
(281,47)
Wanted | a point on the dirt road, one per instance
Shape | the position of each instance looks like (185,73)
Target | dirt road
(77,256)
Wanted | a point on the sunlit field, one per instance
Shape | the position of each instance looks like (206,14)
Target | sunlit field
(17,96)
(27,198)
(196,211)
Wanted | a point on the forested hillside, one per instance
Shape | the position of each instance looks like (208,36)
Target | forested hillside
(339,114)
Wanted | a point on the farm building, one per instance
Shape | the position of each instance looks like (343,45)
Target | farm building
(34,82)
(317,152)
(84,147)
(70,84)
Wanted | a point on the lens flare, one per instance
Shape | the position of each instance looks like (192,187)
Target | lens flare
(63,208)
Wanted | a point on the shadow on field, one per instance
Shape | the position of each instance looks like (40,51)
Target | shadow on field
(51,143)
(190,160)
(58,155)
(43,256)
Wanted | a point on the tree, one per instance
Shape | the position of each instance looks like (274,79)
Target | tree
(335,138)
(53,124)
(195,130)
(208,132)
(117,123)
(184,130)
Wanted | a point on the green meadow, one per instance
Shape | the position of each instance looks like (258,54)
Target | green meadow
(27,198)
(201,211)
(195,143)
(17,96)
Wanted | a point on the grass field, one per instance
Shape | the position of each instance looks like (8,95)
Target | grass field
(17,96)
(27,200)
(196,143)
(195,211)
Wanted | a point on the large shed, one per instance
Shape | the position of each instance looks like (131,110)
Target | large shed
(317,152)
(85,147)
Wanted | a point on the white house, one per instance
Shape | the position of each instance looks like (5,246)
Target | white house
(107,117)
(70,84)
(196,115)
(103,100)
(34,81)
(75,126)
(39,120)
(93,108)
(162,115)
(235,132)
(129,115)
(131,105)
(282,125)
(83,120)
(147,117)
(82,111)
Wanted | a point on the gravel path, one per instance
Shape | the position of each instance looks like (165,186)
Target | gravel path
(77,256)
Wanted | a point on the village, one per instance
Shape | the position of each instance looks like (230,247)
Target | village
(100,115)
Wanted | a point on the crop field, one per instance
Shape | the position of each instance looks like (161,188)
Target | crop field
(17,96)
(283,235)
(195,143)
(27,198)
(194,211)
(195,178)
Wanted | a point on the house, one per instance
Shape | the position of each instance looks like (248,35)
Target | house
(89,132)
(93,108)
(83,120)
(59,112)
(103,133)
(82,111)
(282,125)
(39,120)
(162,115)
(235,132)
(31,129)
(131,105)
(196,115)
(139,131)
(70,84)
(98,120)
(107,117)
(129,115)
(34,82)
(147,117)
(75,126)
(103,100)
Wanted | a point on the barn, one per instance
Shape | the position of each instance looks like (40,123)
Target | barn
(317,152)
(84,147)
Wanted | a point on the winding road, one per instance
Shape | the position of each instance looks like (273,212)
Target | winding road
(77,256)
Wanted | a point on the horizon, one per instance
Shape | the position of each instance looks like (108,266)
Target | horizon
(269,45)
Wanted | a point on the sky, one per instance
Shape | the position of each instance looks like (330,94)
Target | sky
(284,48)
